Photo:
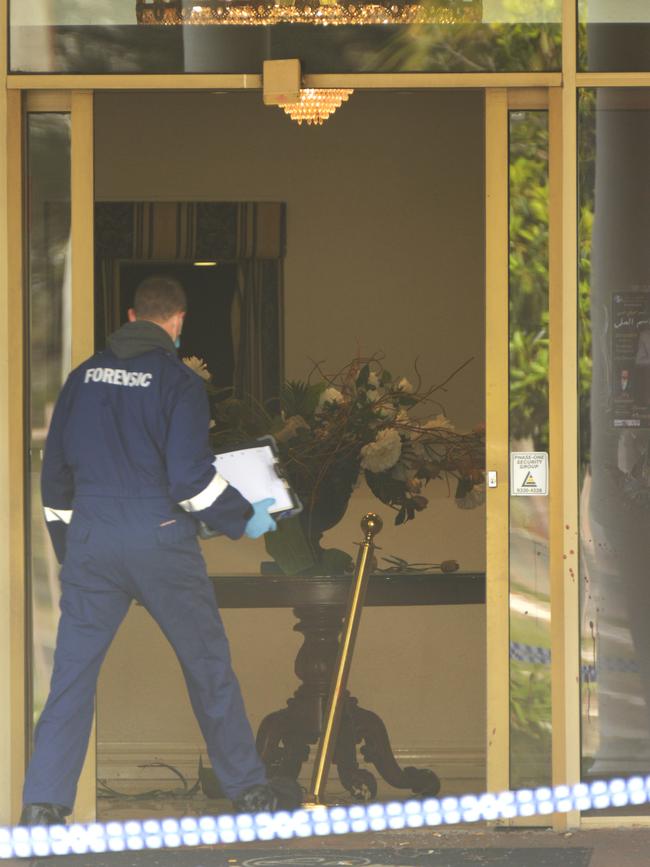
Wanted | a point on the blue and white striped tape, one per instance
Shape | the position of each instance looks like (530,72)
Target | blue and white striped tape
(542,656)
(41,842)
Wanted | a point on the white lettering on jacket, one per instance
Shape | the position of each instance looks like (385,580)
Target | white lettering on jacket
(111,376)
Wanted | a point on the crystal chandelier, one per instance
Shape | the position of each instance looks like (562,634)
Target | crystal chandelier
(324,12)
(316,105)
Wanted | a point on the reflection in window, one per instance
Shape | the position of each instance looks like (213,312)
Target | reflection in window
(530,640)
(48,165)
(613,35)
(99,36)
(614,379)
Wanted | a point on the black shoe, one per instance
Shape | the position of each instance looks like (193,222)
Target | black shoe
(280,793)
(43,814)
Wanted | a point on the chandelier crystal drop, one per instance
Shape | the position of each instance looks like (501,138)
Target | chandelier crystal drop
(266,12)
(316,105)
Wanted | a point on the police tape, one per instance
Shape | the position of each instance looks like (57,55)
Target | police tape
(152,834)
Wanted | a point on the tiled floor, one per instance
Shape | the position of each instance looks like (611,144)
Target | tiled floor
(199,805)
(121,808)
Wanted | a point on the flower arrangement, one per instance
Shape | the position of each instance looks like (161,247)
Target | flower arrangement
(333,428)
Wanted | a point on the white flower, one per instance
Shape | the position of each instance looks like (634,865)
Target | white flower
(440,421)
(383,453)
(404,385)
(199,367)
(330,395)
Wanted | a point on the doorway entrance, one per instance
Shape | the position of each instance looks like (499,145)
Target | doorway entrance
(210,291)
(385,259)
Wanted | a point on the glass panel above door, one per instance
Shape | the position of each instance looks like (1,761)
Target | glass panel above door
(236,36)
(614,35)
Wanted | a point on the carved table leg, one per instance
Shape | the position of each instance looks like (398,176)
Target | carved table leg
(359,782)
(377,750)
(284,736)
(282,749)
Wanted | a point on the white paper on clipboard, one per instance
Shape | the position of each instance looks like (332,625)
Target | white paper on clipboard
(253,472)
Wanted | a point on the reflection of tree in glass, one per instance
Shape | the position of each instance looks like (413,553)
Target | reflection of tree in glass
(48,170)
(49,233)
(73,12)
(528,37)
(586,205)
(530,693)
(528,268)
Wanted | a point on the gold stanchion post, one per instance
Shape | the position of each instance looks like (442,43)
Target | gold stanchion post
(371,525)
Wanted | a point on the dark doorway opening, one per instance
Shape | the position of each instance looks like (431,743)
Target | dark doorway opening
(207,332)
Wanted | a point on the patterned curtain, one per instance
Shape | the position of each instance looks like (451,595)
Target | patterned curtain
(259,329)
(252,234)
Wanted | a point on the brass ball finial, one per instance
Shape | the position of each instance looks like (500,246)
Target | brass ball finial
(371,524)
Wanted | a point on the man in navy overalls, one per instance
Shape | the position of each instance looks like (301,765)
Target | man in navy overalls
(127,474)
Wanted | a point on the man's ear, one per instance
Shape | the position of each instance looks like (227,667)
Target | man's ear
(131,314)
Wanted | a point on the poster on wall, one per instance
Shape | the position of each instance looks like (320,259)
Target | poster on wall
(630,387)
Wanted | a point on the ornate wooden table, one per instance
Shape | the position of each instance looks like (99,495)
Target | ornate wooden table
(319,604)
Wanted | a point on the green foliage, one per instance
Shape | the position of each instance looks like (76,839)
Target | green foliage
(529,344)
(586,204)
(528,265)
(473,47)
(301,398)
(530,723)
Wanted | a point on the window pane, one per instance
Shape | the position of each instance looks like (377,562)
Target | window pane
(614,382)
(48,166)
(530,615)
(112,36)
(614,35)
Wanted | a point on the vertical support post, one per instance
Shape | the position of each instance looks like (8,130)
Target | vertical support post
(497,433)
(371,525)
(563,416)
(83,327)
(12,564)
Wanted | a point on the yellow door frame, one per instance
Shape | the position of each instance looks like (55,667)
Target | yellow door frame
(497,446)
(12,531)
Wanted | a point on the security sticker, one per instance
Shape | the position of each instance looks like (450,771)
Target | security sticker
(529,474)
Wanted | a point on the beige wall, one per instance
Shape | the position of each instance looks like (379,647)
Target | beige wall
(385,253)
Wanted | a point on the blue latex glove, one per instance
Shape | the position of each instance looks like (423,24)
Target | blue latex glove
(261,522)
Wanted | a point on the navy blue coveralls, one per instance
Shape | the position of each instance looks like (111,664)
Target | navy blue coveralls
(127,472)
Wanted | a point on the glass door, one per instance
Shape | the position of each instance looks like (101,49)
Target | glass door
(58,334)
(515,181)
(517,460)
(48,302)
(614,414)
(528,340)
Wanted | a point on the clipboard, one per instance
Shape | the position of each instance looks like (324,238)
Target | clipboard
(256,473)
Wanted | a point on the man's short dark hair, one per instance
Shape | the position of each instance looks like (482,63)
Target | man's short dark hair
(158,298)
